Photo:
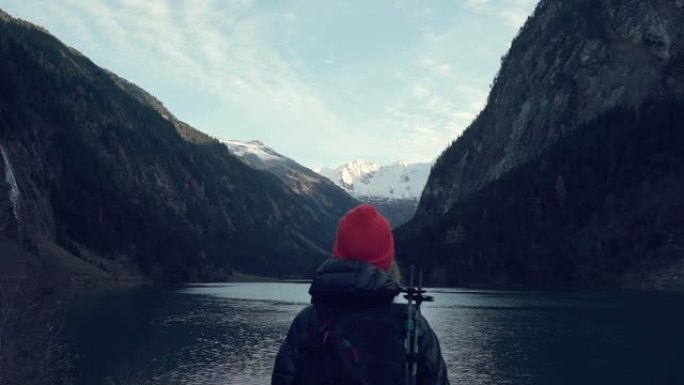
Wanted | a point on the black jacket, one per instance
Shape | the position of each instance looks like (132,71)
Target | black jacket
(349,284)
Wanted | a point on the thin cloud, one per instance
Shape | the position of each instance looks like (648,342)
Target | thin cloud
(288,75)
(477,4)
(221,47)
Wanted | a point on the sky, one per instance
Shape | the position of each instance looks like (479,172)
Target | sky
(320,81)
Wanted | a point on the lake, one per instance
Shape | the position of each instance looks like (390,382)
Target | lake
(230,334)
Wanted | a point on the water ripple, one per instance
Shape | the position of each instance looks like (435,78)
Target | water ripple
(230,334)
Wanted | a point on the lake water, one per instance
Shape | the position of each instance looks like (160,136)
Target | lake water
(230,334)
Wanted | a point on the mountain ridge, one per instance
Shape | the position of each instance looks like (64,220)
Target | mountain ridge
(302,180)
(397,209)
(102,167)
(570,62)
(549,186)
(398,180)
(394,189)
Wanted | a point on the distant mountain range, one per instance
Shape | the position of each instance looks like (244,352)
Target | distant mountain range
(362,179)
(394,189)
(302,180)
(571,176)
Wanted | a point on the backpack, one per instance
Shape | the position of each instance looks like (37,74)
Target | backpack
(355,346)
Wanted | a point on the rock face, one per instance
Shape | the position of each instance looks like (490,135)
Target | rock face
(572,174)
(572,61)
(603,206)
(95,165)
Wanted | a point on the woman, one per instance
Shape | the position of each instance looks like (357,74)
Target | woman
(353,333)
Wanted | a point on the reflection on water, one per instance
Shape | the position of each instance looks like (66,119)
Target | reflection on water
(230,334)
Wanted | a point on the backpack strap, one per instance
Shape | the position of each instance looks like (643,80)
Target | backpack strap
(328,350)
(326,344)
(344,352)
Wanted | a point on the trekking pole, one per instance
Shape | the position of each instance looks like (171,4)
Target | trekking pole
(416,316)
(410,327)
(415,297)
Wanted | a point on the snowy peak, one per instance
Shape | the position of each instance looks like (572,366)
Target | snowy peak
(399,180)
(301,180)
(359,167)
(253,150)
(348,173)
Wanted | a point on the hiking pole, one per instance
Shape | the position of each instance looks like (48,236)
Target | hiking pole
(416,316)
(410,327)
(415,298)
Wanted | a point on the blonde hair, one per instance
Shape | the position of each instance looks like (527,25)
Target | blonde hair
(395,272)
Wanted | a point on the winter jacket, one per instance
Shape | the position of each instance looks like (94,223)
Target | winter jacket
(348,284)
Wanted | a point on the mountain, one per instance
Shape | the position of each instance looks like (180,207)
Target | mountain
(572,61)
(99,173)
(303,181)
(399,180)
(571,175)
(393,188)
(350,172)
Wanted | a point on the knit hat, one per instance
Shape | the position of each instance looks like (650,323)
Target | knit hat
(363,234)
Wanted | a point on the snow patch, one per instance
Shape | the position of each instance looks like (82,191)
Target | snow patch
(252,147)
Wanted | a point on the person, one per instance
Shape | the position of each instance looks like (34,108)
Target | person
(362,279)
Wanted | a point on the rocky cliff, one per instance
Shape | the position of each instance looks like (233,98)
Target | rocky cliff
(571,175)
(94,166)
(572,61)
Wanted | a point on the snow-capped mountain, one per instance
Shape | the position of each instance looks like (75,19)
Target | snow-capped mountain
(361,179)
(394,189)
(303,181)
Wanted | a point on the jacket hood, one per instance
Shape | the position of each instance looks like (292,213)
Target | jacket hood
(352,283)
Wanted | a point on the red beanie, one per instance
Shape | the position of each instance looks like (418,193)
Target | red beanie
(363,234)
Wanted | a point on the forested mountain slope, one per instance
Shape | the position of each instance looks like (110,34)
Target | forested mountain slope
(572,173)
(100,167)
(572,61)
